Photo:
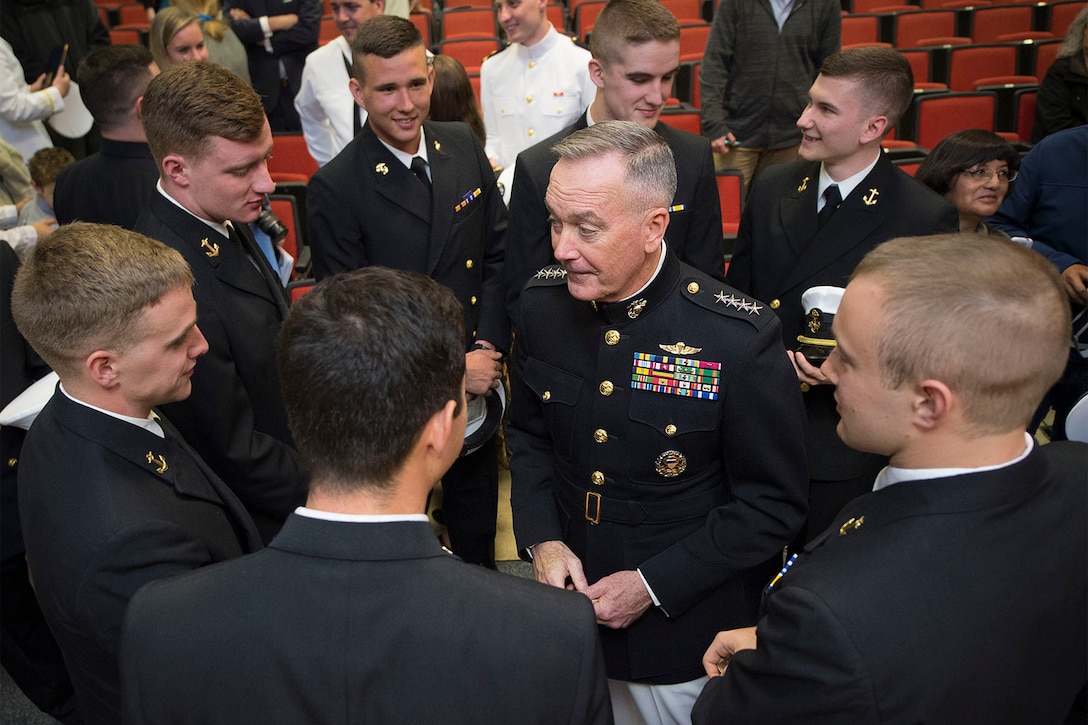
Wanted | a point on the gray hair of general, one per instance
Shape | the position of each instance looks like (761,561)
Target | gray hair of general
(650,167)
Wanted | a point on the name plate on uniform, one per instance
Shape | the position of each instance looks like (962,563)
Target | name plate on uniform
(676,375)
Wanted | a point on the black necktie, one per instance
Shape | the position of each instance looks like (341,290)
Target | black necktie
(256,256)
(832,199)
(419,168)
(356,121)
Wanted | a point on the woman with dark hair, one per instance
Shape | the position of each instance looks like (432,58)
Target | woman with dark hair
(973,170)
(452,97)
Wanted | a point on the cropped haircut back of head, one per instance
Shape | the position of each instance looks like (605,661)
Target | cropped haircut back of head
(111,79)
(85,286)
(648,160)
(365,360)
(960,151)
(189,103)
(385,36)
(884,77)
(985,316)
(624,23)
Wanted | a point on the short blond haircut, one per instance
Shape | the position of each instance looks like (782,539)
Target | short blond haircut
(985,316)
(624,23)
(188,104)
(84,287)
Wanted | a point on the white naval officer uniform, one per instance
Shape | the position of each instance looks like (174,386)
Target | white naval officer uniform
(529,93)
(324,102)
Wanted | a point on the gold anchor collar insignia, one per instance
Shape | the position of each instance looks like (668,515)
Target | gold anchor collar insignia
(870,199)
(159,461)
(803,186)
(680,349)
(211,249)
(437,146)
(851,524)
(382,169)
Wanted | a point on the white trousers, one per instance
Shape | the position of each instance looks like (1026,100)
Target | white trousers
(637,704)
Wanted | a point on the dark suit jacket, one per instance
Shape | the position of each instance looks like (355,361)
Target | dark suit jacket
(367,208)
(694,234)
(109,187)
(290,46)
(956,600)
(780,254)
(101,521)
(334,622)
(235,416)
(20,366)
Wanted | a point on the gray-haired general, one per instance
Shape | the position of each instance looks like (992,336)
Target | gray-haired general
(656,428)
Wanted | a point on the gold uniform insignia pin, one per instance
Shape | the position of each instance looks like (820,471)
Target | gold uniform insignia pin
(382,169)
(635,308)
(803,186)
(671,464)
(871,198)
(437,146)
(210,248)
(680,349)
(851,525)
(814,321)
(160,462)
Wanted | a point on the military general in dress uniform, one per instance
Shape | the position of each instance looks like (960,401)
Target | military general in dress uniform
(656,426)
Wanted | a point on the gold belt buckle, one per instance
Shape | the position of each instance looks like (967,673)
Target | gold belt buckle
(595,518)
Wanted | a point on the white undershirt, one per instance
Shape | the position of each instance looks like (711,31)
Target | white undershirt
(891,475)
(358,518)
(845,186)
(150,423)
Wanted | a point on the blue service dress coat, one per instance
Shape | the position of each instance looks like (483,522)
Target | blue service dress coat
(360,623)
(107,507)
(780,253)
(235,416)
(695,219)
(946,601)
(661,433)
(367,208)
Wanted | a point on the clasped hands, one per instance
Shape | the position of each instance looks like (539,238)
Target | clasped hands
(618,599)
